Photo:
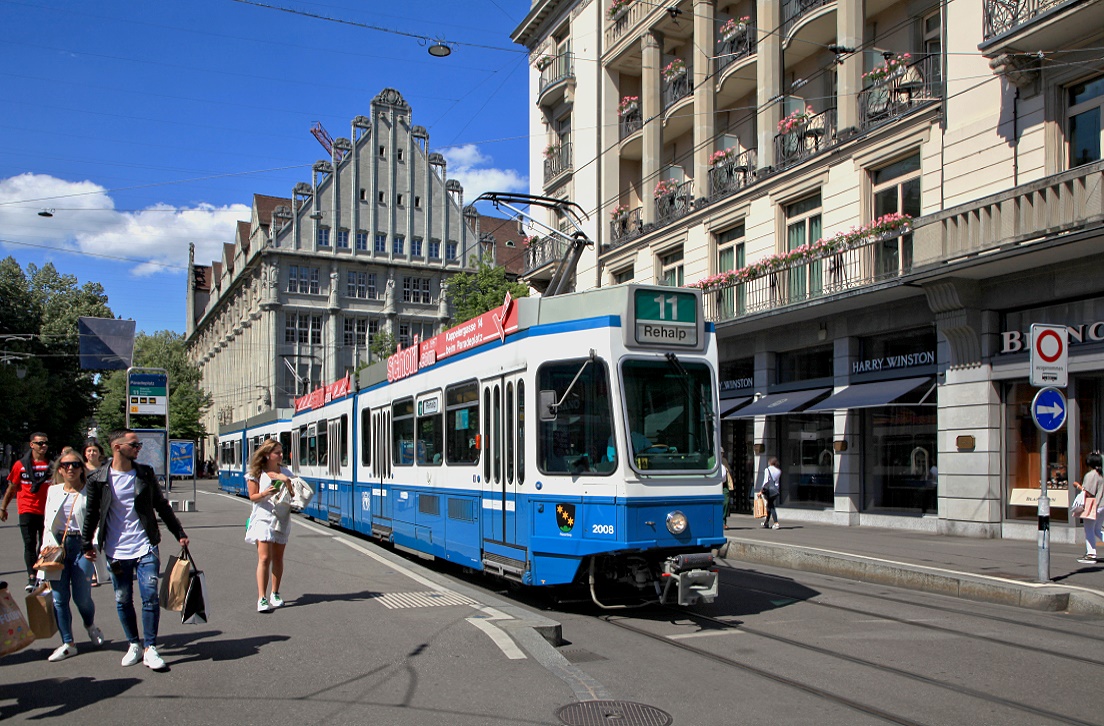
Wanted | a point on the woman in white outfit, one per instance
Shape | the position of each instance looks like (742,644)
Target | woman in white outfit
(265,478)
(1093,486)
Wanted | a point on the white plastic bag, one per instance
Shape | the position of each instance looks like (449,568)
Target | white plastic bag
(1078,506)
(302,494)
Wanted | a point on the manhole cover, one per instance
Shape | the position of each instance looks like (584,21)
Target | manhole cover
(612,713)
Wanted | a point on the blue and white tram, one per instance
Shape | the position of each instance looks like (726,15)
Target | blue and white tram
(237,442)
(565,440)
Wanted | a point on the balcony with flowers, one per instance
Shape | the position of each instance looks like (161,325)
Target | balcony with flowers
(623,15)
(802,133)
(625,224)
(557,78)
(897,86)
(730,171)
(630,117)
(830,266)
(673,199)
(735,40)
(676,82)
(557,160)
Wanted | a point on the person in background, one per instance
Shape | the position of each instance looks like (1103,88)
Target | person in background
(94,459)
(124,500)
(770,489)
(727,487)
(65,507)
(1093,486)
(269,532)
(28,484)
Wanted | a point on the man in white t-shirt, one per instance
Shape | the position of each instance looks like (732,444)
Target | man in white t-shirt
(124,499)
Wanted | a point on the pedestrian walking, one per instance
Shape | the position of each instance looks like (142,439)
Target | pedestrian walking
(771,489)
(28,484)
(94,459)
(124,500)
(1093,521)
(268,526)
(65,507)
(728,487)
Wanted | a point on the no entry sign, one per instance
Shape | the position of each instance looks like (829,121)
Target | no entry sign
(1049,356)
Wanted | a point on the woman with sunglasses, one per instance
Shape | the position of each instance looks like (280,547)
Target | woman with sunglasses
(65,506)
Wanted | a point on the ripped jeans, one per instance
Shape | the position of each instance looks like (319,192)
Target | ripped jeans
(147,569)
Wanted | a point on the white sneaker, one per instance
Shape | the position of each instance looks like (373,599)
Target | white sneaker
(96,636)
(152,659)
(66,650)
(775,526)
(276,601)
(133,655)
(263,606)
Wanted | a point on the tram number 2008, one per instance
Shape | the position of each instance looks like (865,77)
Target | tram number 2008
(601,529)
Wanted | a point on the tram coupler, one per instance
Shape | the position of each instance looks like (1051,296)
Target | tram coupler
(692,576)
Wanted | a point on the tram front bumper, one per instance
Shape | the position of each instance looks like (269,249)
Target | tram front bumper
(693,578)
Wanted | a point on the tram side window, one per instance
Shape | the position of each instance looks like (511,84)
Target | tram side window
(304,446)
(323,444)
(366,437)
(285,444)
(429,439)
(402,432)
(343,434)
(237,453)
(462,423)
(521,431)
(577,439)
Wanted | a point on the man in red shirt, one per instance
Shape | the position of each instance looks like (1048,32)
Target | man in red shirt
(29,480)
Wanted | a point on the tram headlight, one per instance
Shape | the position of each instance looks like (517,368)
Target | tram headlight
(676,522)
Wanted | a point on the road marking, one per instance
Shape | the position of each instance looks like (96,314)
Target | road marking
(504,642)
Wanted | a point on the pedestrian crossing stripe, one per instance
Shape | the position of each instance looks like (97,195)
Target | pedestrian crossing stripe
(434,598)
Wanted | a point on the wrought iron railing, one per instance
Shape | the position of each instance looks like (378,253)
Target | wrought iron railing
(673,205)
(544,251)
(877,259)
(1003,15)
(732,175)
(677,87)
(740,45)
(557,161)
(913,85)
(627,227)
(631,122)
(560,69)
(792,10)
(626,20)
(807,138)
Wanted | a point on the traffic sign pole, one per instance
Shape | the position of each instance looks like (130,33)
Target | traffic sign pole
(1048,409)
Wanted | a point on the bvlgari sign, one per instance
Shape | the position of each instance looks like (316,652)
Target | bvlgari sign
(1014,341)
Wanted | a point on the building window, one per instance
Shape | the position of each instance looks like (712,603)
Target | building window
(316,330)
(451,249)
(383,152)
(933,45)
(362,241)
(416,290)
(381,197)
(356,332)
(399,199)
(730,257)
(303,328)
(1085,102)
(416,247)
(303,280)
(408,329)
(398,246)
(361,285)
(343,239)
(399,154)
(621,277)
(670,269)
(803,227)
(434,249)
(896,189)
(381,244)
(417,202)
(323,236)
(363,194)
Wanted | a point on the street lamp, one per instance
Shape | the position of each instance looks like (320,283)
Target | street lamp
(439,49)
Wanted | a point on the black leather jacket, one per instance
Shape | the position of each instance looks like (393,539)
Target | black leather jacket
(148,499)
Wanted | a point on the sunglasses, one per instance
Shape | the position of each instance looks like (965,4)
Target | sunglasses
(40,443)
(133,444)
(70,465)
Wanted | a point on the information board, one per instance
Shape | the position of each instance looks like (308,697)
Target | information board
(181,458)
(667,318)
(148,393)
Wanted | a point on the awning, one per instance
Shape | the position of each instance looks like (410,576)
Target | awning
(730,405)
(776,403)
(882,393)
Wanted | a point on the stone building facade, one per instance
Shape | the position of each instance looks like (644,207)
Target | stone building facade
(879,198)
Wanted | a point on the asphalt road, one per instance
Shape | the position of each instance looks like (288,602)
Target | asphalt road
(369,636)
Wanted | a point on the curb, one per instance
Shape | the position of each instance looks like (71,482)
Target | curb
(1032,596)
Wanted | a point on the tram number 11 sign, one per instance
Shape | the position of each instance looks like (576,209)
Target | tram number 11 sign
(1049,356)
(667,318)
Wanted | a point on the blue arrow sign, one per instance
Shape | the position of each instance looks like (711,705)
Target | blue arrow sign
(1049,410)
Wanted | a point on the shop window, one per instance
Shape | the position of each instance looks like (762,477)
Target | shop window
(671,270)
(803,227)
(896,190)
(1023,441)
(899,447)
(806,459)
(807,364)
(1085,102)
(731,301)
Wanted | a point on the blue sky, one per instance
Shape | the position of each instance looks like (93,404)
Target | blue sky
(148,125)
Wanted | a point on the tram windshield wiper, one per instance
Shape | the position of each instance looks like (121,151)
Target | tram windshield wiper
(693,393)
(549,406)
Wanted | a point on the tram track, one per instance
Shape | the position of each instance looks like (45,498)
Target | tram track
(625,623)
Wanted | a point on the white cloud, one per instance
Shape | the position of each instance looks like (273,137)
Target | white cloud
(85,220)
(471,167)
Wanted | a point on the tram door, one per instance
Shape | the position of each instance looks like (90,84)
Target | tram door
(503,455)
(337,463)
(381,465)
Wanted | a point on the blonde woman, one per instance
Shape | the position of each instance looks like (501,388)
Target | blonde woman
(65,507)
(266,476)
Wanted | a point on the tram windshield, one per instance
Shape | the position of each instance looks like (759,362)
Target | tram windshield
(574,442)
(670,417)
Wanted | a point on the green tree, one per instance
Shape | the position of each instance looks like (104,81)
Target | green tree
(187,401)
(38,336)
(382,346)
(473,293)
